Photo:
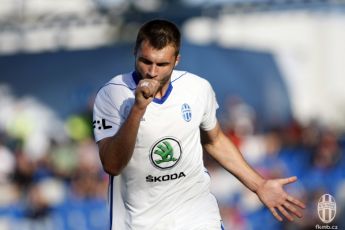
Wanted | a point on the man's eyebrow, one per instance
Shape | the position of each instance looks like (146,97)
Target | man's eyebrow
(149,61)
(144,60)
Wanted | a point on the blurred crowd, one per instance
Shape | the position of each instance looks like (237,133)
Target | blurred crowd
(50,174)
(51,177)
(313,152)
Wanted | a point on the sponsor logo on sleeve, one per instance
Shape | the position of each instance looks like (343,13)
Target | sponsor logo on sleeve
(101,124)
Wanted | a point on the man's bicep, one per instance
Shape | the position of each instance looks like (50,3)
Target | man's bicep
(209,137)
(102,144)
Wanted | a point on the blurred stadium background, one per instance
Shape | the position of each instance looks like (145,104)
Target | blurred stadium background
(277,67)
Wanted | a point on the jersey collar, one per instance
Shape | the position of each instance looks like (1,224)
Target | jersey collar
(156,100)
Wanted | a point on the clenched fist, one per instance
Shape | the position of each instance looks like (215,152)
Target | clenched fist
(145,92)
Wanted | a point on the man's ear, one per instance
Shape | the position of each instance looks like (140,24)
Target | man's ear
(177,60)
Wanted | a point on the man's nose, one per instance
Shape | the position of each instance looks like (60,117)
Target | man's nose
(152,71)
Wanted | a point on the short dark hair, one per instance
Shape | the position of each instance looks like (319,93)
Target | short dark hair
(159,33)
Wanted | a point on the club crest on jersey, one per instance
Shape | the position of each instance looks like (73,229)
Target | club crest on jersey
(166,153)
(186,112)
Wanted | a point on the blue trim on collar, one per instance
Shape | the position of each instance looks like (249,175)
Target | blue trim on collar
(155,100)
(165,97)
(135,77)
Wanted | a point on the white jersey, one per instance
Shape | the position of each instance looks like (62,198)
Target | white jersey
(165,184)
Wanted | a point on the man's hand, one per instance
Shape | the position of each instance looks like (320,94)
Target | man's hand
(272,194)
(145,92)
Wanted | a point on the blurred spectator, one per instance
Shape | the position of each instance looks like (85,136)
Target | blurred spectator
(239,119)
(7,163)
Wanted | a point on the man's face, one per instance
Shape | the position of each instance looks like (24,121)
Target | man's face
(151,63)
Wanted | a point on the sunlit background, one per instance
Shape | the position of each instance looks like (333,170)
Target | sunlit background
(277,66)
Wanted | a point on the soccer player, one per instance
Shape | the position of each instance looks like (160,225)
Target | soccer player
(151,126)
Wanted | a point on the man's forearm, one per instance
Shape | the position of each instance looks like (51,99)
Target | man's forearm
(244,172)
(116,151)
(227,155)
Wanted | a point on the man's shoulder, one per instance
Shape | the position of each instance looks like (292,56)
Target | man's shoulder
(124,80)
(185,77)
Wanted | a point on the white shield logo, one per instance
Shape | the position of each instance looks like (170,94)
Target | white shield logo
(326,208)
(186,112)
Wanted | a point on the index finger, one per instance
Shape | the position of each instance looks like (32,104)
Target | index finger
(155,85)
(144,84)
(149,87)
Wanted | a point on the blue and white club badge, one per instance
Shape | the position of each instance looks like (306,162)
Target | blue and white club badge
(326,208)
(186,112)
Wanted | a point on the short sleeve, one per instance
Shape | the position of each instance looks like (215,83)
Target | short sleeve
(209,119)
(110,109)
